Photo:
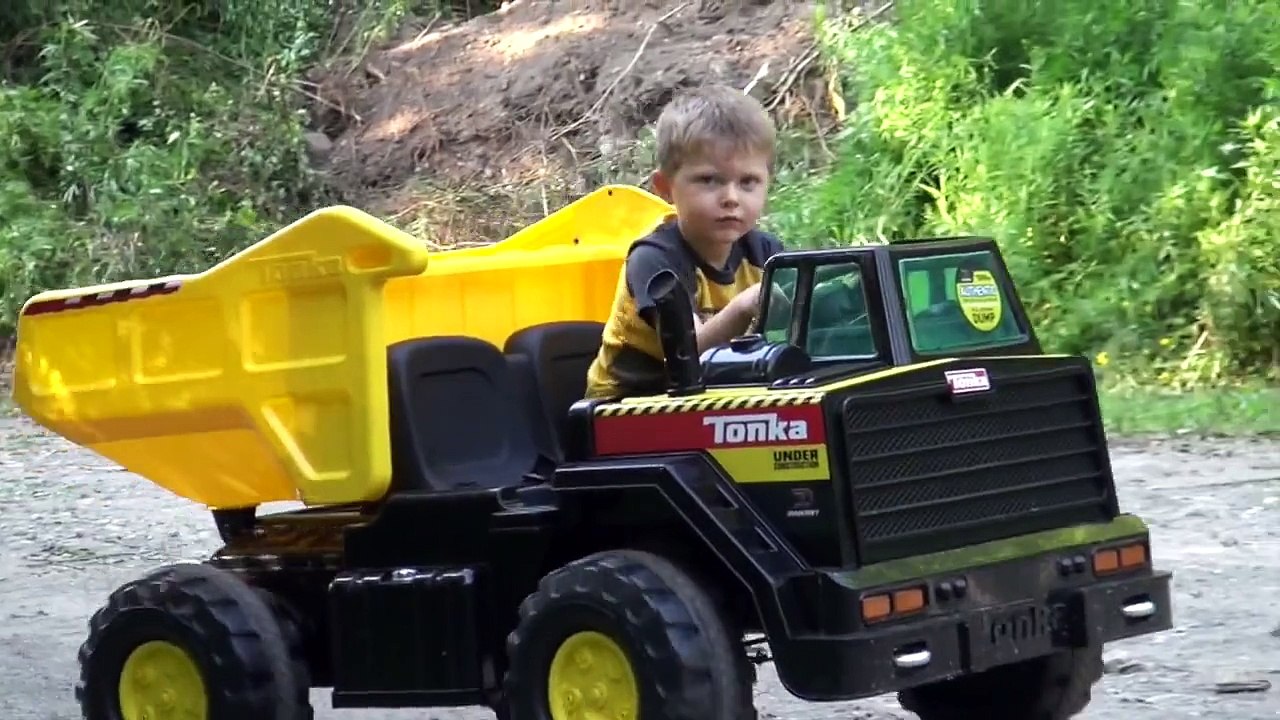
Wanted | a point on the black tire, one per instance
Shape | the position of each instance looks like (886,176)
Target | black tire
(292,633)
(1055,687)
(227,628)
(686,661)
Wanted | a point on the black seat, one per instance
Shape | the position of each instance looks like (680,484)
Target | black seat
(457,420)
(943,326)
(554,358)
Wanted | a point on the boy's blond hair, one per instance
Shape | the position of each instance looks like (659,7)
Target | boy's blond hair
(701,116)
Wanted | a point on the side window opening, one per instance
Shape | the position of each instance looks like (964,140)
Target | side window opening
(839,322)
(777,320)
(839,325)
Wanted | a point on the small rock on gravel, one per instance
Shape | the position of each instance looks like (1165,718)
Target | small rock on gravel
(1232,687)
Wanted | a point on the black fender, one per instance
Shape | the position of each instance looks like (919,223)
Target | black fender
(692,488)
(510,537)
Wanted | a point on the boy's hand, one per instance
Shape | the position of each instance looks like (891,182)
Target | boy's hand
(744,305)
(733,320)
(747,304)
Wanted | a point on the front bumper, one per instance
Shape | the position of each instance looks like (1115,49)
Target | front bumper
(875,662)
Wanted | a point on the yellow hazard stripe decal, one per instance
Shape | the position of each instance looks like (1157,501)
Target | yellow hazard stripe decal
(881,374)
(750,398)
(698,403)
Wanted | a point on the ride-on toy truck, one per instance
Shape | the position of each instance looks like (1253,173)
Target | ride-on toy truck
(888,485)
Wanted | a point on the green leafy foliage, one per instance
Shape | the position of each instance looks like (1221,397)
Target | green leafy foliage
(145,137)
(1125,155)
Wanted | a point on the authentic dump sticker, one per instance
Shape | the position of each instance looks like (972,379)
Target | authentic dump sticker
(979,298)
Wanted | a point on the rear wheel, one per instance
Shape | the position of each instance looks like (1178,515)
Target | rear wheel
(1055,687)
(626,635)
(191,642)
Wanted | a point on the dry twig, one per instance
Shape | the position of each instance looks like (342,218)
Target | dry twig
(599,103)
(817,126)
(429,27)
(797,68)
(764,70)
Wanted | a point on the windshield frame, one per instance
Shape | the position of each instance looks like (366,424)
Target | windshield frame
(886,302)
(1027,344)
(808,264)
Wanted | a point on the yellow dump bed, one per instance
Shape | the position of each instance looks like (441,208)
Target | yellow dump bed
(264,378)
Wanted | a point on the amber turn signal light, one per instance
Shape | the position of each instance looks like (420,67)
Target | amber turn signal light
(908,601)
(1115,559)
(893,604)
(1133,556)
(876,608)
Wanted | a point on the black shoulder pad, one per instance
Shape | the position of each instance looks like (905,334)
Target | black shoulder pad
(759,246)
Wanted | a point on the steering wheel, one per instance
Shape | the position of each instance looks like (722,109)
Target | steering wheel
(833,306)
(779,307)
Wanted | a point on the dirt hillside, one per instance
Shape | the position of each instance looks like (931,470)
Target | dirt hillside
(546,87)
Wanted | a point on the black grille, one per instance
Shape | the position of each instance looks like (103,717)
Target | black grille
(929,473)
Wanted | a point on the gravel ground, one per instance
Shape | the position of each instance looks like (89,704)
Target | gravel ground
(75,527)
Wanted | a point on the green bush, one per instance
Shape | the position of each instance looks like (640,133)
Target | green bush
(140,138)
(1125,155)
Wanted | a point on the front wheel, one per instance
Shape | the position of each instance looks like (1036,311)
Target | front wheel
(625,635)
(1054,687)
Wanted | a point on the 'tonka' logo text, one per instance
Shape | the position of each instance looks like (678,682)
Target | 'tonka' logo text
(766,427)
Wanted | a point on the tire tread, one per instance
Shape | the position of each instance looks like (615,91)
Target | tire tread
(252,667)
(689,651)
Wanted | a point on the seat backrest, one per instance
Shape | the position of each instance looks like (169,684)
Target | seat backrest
(456,418)
(851,340)
(943,325)
(558,355)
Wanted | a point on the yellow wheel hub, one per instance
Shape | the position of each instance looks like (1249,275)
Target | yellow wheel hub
(591,679)
(160,681)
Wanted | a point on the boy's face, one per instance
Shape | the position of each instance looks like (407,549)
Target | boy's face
(718,194)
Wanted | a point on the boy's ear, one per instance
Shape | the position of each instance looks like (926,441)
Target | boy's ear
(661,185)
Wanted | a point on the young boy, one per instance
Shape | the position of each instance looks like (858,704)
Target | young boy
(715,154)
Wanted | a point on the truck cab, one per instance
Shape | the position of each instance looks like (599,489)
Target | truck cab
(903,303)
(862,309)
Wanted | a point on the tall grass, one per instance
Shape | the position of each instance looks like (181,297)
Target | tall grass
(1125,155)
(140,138)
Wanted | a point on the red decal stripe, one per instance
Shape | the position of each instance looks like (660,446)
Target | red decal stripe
(45,307)
(709,429)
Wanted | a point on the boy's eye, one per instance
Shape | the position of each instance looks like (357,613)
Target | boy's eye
(747,181)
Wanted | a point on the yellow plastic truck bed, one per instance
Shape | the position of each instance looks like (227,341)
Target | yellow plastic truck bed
(263,378)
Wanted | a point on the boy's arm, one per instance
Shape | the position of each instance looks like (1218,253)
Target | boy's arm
(740,315)
(734,320)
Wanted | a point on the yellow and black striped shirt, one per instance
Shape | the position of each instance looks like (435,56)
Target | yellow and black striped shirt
(630,359)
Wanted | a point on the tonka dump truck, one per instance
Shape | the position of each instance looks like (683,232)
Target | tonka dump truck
(890,485)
